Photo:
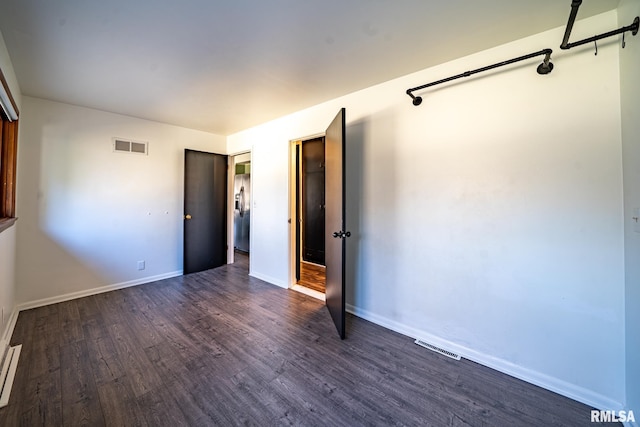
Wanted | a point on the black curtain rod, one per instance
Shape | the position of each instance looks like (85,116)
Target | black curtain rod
(575,5)
(544,68)
(633,28)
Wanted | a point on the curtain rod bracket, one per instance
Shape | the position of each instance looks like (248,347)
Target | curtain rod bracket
(546,67)
(417,100)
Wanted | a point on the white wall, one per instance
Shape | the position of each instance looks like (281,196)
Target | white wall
(488,220)
(7,272)
(7,237)
(88,214)
(630,93)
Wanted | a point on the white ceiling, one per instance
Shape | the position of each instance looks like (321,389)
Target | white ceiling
(223,66)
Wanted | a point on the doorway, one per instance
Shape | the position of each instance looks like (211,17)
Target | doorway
(308,215)
(239,207)
(334,206)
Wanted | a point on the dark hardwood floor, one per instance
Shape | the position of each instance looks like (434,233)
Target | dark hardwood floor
(222,348)
(312,276)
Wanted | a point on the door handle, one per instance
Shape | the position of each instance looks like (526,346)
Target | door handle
(341,234)
(187,216)
(242,201)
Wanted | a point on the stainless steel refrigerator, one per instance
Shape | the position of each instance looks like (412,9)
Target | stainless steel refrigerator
(242,211)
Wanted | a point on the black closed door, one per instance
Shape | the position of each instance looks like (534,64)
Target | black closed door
(336,233)
(205,211)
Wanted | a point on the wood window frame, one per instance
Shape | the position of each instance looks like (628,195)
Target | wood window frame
(8,162)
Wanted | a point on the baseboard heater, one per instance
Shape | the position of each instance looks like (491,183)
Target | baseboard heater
(8,373)
(437,349)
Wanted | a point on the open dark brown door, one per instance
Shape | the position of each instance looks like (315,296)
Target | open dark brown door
(335,232)
(205,211)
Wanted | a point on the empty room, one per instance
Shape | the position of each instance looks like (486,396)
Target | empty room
(320,213)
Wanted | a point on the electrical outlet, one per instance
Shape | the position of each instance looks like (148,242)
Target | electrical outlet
(141,265)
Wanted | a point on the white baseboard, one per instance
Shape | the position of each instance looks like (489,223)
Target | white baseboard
(310,292)
(269,279)
(556,385)
(94,291)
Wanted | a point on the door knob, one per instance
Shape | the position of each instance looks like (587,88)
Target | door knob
(341,234)
(187,216)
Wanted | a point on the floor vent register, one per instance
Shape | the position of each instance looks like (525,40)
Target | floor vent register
(437,349)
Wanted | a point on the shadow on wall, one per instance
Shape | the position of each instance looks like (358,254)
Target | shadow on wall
(53,265)
(372,211)
(43,263)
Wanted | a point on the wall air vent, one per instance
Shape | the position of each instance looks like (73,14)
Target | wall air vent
(128,146)
(437,349)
